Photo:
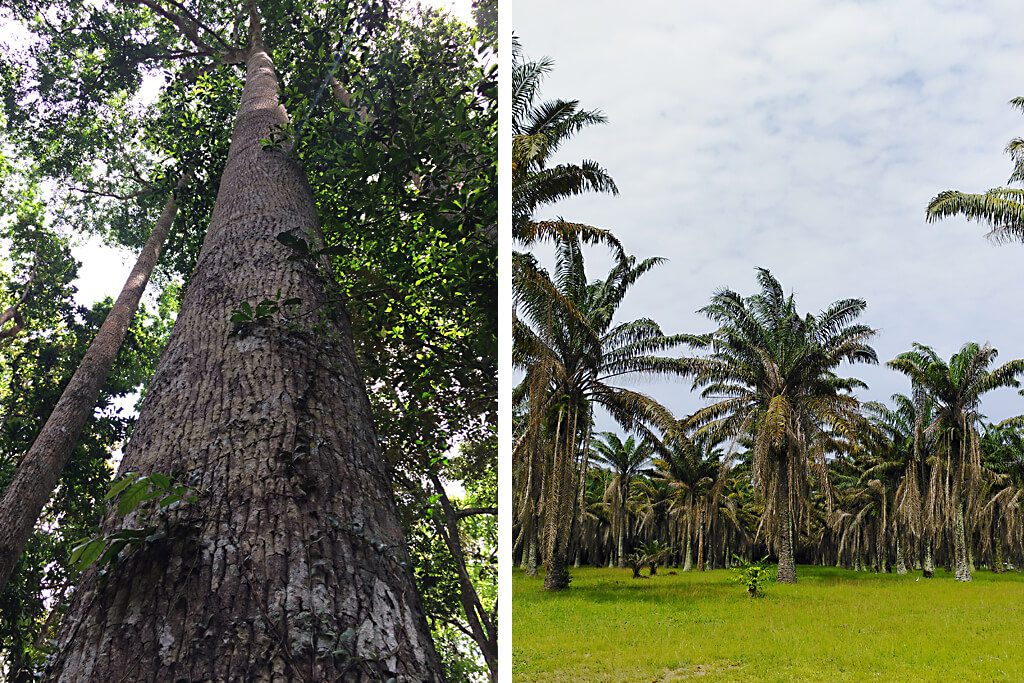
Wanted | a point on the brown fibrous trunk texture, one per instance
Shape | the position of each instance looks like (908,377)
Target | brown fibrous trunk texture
(784,532)
(42,466)
(559,510)
(291,565)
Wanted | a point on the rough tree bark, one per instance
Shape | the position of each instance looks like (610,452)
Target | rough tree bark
(928,570)
(292,564)
(531,554)
(688,553)
(41,468)
(961,561)
(700,539)
(622,526)
(784,531)
(901,563)
(559,514)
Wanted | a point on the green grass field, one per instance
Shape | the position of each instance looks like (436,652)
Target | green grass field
(834,625)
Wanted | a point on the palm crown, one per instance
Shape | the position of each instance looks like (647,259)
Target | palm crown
(1001,208)
(539,129)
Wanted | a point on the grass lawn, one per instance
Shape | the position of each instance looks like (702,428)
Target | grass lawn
(834,625)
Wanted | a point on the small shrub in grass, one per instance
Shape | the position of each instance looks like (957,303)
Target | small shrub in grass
(656,551)
(636,562)
(753,575)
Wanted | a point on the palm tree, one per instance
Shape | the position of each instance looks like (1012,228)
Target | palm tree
(570,347)
(539,129)
(595,536)
(1001,208)
(771,373)
(899,451)
(957,388)
(652,502)
(626,459)
(1002,454)
(691,467)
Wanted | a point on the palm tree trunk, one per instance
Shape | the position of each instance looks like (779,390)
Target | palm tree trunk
(784,532)
(41,468)
(700,540)
(622,545)
(688,556)
(901,563)
(960,558)
(559,516)
(292,566)
(531,555)
(622,527)
(997,562)
(928,570)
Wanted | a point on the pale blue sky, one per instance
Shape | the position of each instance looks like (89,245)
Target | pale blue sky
(806,137)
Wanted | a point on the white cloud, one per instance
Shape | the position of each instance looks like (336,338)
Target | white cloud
(806,137)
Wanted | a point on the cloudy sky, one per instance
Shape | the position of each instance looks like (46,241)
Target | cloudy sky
(806,137)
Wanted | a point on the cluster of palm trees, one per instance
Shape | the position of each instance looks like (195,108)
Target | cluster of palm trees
(783,457)
(920,482)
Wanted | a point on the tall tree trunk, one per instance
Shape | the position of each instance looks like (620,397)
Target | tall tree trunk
(901,562)
(928,570)
(622,528)
(531,553)
(292,565)
(688,556)
(784,532)
(997,560)
(41,468)
(560,516)
(622,545)
(700,540)
(961,563)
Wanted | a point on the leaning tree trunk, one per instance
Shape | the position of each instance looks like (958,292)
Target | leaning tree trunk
(41,468)
(292,564)
(784,528)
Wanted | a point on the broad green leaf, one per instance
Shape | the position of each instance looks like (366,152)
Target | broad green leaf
(120,485)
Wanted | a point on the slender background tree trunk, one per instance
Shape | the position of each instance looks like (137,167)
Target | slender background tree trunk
(41,468)
(292,564)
